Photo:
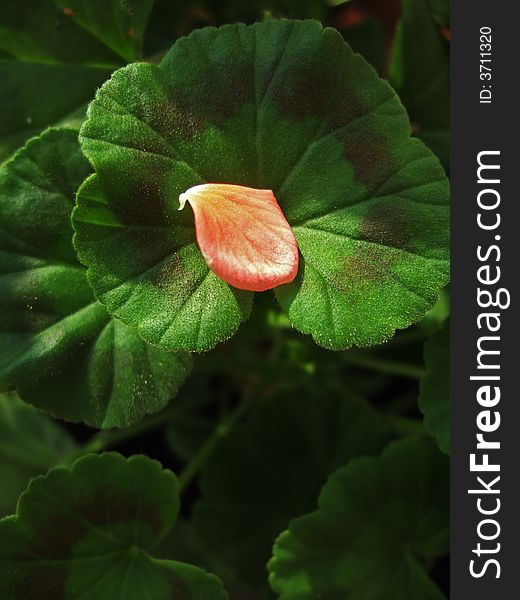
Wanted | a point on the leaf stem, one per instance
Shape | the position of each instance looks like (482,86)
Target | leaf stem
(205,451)
(387,367)
(110,438)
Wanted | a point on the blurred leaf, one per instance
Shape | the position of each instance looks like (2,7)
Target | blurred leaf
(54,336)
(117,24)
(192,421)
(435,317)
(441,11)
(55,53)
(434,398)
(230,11)
(272,469)
(378,523)
(183,544)
(89,532)
(368,38)
(30,444)
(420,72)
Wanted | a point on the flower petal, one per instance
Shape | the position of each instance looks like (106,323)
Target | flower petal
(243,235)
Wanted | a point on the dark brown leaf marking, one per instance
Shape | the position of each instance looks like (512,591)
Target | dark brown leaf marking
(316,90)
(178,587)
(370,154)
(365,267)
(172,273)
(211,98)
(145,203)
(388,223)
(178,116)
(56,539)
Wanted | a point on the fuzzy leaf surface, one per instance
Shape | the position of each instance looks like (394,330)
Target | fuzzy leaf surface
(58,346)
(367,203)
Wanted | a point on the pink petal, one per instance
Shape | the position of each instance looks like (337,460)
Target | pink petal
(243,235)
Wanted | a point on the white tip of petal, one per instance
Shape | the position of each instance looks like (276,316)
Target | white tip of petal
(183,198)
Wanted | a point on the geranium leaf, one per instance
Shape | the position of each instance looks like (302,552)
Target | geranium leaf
(434,398)
(379,520)
(272,469)
(89,532)
(55,54)
(54,336)
(159,277)
(284,106)
(30,444)
(420,72)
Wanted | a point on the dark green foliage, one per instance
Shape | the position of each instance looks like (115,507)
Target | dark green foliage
(273,468)
(305,474)
(379,521)
(30,444)
(434,399)
(93,528)
(367,203)
(55,53)
(54,336)
(420,71)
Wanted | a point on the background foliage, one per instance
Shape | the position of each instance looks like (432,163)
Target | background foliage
(301,473)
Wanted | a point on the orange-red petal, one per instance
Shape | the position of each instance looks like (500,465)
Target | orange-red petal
(243,235)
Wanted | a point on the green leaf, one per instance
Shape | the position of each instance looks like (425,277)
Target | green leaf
(434,397)
(118,24)
(159,280)
(30,444)
(441,11)
(89,532)
(193,420)
(420,72)
(54,336)
(368,203)
(55,53)
(378,523)
(272,469)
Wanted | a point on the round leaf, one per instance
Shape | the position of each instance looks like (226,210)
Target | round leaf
(272,469)
(434,397)
(284,106)
(88,532)
(378,521)
(58,346)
